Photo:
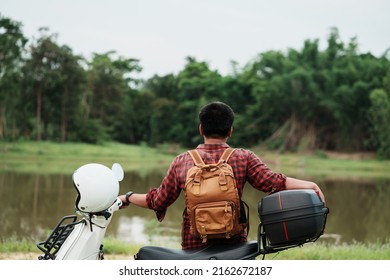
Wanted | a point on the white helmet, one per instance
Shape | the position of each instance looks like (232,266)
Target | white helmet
(97,186)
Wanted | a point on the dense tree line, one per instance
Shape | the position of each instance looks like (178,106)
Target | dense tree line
(333,99)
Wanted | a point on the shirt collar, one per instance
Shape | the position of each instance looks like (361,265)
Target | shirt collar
(212,146)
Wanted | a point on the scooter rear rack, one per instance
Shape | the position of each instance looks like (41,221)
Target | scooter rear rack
(55,240)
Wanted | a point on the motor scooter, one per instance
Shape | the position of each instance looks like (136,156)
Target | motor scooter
(287,219)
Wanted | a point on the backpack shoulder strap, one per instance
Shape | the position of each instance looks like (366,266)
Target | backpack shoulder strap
(226,154)
(196,157)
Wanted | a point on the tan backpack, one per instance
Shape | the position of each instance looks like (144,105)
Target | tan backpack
(212,199)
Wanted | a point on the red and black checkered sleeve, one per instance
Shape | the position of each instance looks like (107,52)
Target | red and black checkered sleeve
(263,178)
(159,199)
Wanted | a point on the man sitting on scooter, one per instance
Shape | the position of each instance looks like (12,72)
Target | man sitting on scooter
(216,127)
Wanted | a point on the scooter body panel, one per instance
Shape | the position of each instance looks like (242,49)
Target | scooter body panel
(82,243)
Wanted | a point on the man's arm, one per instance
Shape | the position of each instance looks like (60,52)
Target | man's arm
(296,184)
(136,199)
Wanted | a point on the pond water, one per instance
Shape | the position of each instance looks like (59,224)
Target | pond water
(31,205)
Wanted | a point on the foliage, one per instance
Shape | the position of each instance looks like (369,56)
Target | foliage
(298,100)
(380,116)
(12,42)
(12,244)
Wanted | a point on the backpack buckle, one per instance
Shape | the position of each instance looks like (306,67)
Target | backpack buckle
(203,235)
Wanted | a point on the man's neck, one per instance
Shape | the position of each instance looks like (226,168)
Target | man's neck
(214,140)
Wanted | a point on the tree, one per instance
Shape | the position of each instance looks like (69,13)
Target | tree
(379,114)
(109,80)
(312,99)
(54,82)
(197,85)
(163,116)
(42,76)
(72,85)
(12,42)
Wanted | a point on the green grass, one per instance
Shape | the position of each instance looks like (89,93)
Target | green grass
(16,245)
(310,251)
(318,251)
(329,165)
(114,246)
(49,157)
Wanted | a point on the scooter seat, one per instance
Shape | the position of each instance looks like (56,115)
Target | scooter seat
(242,251)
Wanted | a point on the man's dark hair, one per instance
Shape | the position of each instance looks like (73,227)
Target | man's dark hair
(216,119)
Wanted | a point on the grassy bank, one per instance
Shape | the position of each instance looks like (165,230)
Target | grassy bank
(48,157)
(118,250)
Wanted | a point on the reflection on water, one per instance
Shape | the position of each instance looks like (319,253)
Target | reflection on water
(31,206)
(132,229)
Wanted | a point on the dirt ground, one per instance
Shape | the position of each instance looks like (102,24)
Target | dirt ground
(34,256)
(19,256)
(351,156)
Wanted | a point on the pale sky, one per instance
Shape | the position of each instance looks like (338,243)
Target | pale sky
(162,33)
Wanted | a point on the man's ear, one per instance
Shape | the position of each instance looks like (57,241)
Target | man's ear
(230,132)
(200,130)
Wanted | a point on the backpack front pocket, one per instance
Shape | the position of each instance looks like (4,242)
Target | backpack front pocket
(214,220)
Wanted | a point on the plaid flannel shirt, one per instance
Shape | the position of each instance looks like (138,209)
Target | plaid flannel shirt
(247,167)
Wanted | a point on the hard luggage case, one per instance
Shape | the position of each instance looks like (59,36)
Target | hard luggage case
(291,218)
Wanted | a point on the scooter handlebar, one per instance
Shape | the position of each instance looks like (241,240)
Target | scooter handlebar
(116,205)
